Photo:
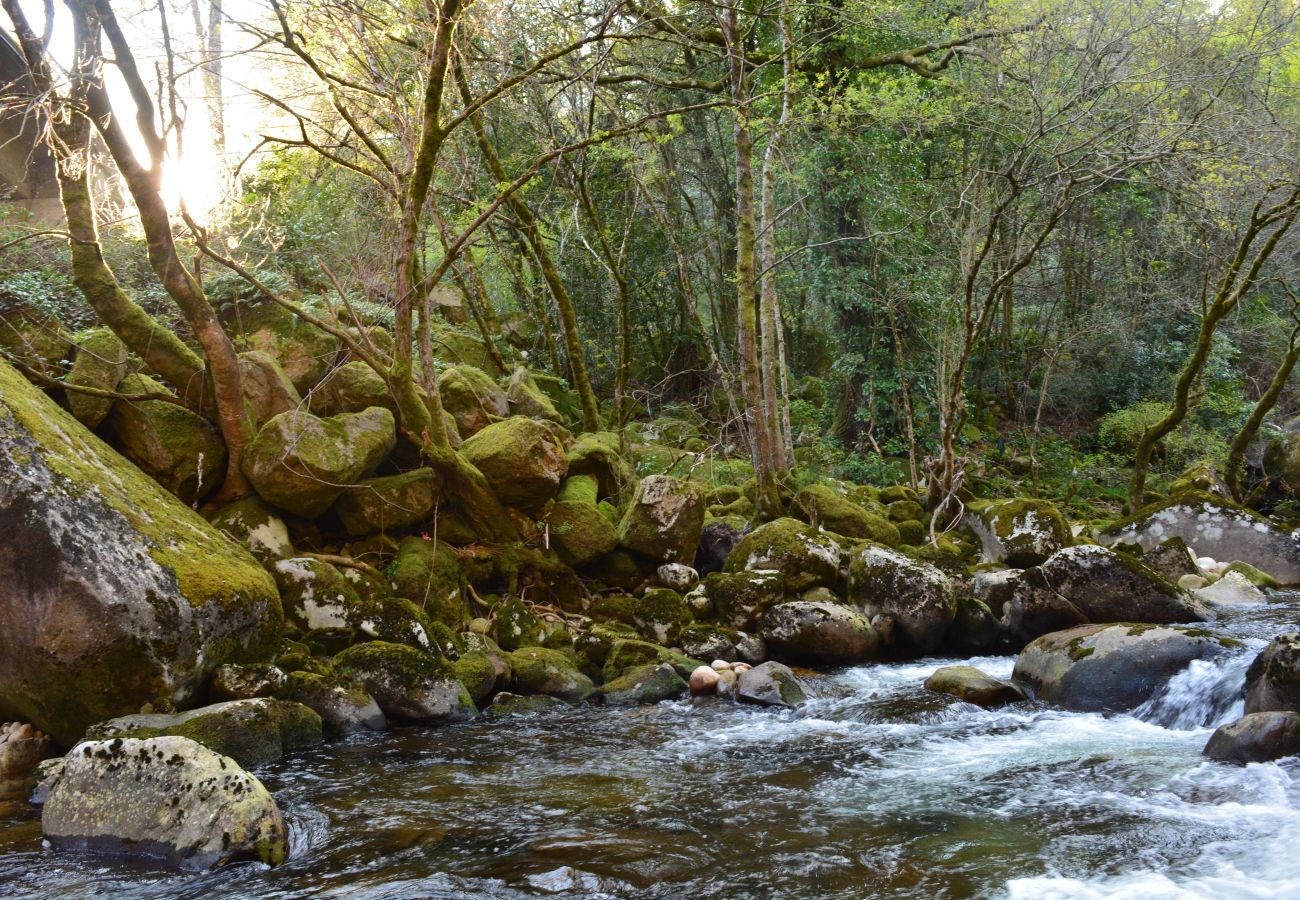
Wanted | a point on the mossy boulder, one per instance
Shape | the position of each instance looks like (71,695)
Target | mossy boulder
(1214,527)
(521,459)
(1091,584)
(251,732)
(461,349)
(472,397)
(664,519)
(896,492)
(651,683)
(804,556)
(614,608)
(526,399)
(179,449)
(579,533)
(305,353)
(388,503)
(564,398)
(167,798)
(267,389)
(594,645)
(918,599)
(396,620)
(1172,559)
(538,670)
(911,534)
(407,683)
(579,488)
(301,463)
(660,615)
(101,363)
(971,685)
(351,388)
(741,598)
(131,597)
(824,506)
(236,682)
(1200,477)
(478,672)
(255,526)
(1111,668)
(344,708)
(1021,532)
(628,653)
(36,338)
(515,625)
(313,593)
(708,642)
(905,511)
(819,633)
(428,573)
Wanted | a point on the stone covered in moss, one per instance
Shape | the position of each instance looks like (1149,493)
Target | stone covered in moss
(1250,573)
(708,642)
(564,398)
(594,645)
(579,489)
(304,352)
(627,653)
(651,683)
(973,686)
(462,349)
(343,707)
(251,732)
(1171,560)
(741,598)
(301,463)
(918,598)
(804,557)
(614,608)
(521,459)
(472,398)
(407,683)
(911,534)
(526,399)
(256,526)
(835,512)
(131,596)
(664,519)
(1021,532)
(314,593)
(515,625)
(236,682)
(36,338)
(478,672)
(906,511)
(180,449)
(620,569)
(428,573)
(1199,477)
(537,670)
(351,388)
(896,492)
(101,363)
(579,533)
(389,502)
(660,615)
(267,389)
(394,619)
(164,797)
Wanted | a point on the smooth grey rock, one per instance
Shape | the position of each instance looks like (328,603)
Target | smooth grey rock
(918,597)
(825,633)
(770,684)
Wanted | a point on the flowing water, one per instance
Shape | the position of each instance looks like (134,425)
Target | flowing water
(875,789)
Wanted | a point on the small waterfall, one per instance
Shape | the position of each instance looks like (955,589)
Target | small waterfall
(1207,694)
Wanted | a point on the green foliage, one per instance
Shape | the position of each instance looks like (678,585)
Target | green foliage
(1120,431)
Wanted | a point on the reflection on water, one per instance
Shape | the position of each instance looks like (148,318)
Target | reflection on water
(875,789)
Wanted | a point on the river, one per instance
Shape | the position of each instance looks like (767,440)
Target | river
(876,788)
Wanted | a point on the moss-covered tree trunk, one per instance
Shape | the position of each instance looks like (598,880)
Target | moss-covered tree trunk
(1236,467)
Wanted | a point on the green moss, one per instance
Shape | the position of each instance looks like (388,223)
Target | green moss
(741,598)
(614,608)
(428,573)
(404,666)
(626,654)
(898,492)
(581,488)
(661,614)
(579,533)
(537,670)
(389,502)
(478,673)
(1253,575)
(515,625)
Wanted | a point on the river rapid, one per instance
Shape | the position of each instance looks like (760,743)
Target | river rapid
(877,788)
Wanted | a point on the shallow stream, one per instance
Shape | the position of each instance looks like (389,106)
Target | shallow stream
(875,789)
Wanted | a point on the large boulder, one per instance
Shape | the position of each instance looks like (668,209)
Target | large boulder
(407,683)
(389,502)
(664,519)
(802,631)
(267,389)
(973,686)
(428,574)
(314,594)
(537,670)
(181,450)
(301,463)
(598,455)
(741,598)
(918,599)
(251,732)
(1090,584)
(521,459)
(650,683)
(1213,527)
(101,363)
(116,594)
(1256,737)
(164,797)
(1111,668)
(351,388)
(804,556)
(527,399)
(1273,679)
(825,507)
(304,352)
(579,531)
(472,397)
(1020,532)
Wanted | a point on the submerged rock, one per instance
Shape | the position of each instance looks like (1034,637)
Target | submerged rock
(168,798)
(1211,526)
(301,463)
(1020,532)
(804,556)
(129,595)
(1110,668)
(1273,679)
(973,686)
(1232,589)
(251,732)
(1256,737)
(1090,584)
(917,597)
(770,684)
(507,704)
(664,519)
(819,633)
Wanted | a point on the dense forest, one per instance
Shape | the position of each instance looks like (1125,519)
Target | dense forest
(369,362)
